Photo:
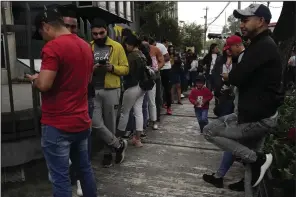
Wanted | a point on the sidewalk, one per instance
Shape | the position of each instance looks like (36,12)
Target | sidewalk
(170,164)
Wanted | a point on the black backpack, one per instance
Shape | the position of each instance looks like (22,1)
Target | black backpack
(146,82)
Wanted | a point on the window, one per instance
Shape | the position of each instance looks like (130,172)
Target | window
(132,10)
(84,3)
(128,11)
(3,54)
(112,7)
(121,9)
(102,4)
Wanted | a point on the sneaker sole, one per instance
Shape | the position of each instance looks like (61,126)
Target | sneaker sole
(123,152)
(264,168)
(107,166)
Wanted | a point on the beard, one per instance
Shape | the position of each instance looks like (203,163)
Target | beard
(100,41)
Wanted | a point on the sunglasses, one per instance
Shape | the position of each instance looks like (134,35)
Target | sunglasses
(70,26)
(98,33)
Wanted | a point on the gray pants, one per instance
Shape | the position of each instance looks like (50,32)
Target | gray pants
(237,138)
(104,115)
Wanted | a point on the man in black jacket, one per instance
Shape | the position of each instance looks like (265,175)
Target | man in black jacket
(258,78)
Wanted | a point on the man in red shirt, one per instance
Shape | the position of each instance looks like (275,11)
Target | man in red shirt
(67,65)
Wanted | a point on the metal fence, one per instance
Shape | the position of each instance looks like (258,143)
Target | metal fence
(11,120)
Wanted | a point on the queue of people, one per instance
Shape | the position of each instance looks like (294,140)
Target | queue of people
(86,89)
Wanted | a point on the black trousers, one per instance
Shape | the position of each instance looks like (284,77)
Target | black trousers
(158,97)
(165,80)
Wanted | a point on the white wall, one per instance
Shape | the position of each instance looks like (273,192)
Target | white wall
(16,69)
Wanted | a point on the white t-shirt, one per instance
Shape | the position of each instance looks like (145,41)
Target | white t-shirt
(214,57)
(164,51)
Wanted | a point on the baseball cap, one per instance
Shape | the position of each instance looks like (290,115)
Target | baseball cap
(232,40)
(259,10)
(46,16)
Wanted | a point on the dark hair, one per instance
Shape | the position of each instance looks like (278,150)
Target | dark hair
(164,40)
(145,49)
(151,40)
(169,49)
(68,13)
(99,23)
(126,32)
(212,46)
(145,38)
(133,40)
(194,55)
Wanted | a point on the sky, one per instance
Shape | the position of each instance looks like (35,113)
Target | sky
(194,12)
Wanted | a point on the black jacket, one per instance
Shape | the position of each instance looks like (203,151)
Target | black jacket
(137,62)
(258,78)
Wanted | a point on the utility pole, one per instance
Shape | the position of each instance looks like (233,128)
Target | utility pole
(268,2)
(239,5)
(205,29)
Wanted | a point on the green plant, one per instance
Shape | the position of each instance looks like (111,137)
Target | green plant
(282,142)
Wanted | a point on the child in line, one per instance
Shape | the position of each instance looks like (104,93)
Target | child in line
(200,96)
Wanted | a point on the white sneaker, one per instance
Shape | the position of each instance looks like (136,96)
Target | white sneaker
(155,126)
(79,190)
(182,96)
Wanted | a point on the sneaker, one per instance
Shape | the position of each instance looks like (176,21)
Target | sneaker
(164,106)
(169,111)
(79,190)
(107,160)
(180,103)
(182,96)
(143,135)
(127,135)
(239,186)
(260,167)
(155,126)
(137,142)
(217,182)
(120,152)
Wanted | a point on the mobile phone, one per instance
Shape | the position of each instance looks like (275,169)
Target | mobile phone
(102,62)
(25,73)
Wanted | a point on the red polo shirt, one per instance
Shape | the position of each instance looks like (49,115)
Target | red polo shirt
(65,106)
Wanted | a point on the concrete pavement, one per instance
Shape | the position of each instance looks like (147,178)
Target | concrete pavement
(170,164)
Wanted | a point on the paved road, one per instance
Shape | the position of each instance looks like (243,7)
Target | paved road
(170,164)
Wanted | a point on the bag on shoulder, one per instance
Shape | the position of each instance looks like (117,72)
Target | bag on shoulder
(146,82)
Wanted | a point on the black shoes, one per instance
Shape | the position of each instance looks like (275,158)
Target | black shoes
(260,167)
(120,152)
(107,160)
(239,186)
(217,182)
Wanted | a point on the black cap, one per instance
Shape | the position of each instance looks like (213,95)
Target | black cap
(97,22)
(46,16)
(200,78)
(259,10)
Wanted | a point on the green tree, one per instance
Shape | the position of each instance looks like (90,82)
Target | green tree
(192,36)
(232,27)
(157,23)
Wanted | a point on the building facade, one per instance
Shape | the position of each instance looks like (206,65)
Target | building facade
(115,13)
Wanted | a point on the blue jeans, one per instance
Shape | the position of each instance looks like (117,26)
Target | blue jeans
(226,163)
(202,117)
(145,111)
(90,112)
(56,145)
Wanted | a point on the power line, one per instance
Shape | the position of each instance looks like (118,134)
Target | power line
(219,14)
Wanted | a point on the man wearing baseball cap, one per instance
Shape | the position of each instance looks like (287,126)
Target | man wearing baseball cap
(258,78)
(235,45)
(65,119)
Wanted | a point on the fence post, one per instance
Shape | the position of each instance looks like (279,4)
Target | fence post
(11,101)
(32,69)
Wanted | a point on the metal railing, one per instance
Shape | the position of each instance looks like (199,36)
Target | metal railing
(12,118)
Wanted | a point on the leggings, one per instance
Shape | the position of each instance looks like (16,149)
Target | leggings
(165,79)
